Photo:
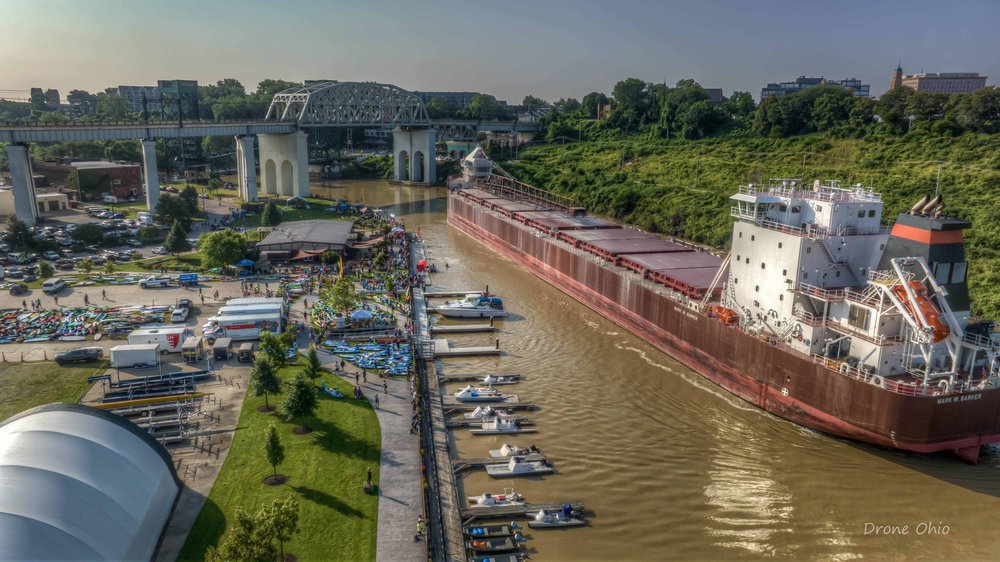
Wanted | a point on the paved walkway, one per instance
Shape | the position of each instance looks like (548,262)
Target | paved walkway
(400,491)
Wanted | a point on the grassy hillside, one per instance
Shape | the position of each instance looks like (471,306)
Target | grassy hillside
(682,187)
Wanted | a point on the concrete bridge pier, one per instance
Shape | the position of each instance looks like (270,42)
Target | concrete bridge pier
(413,155)
(246,167)
(25,207)
(150,175)
(284,168)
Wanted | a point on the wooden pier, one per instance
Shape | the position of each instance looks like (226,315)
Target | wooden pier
(446,294)
(477,378)
(443,348)
(470,514)
(463,464)
(463,328)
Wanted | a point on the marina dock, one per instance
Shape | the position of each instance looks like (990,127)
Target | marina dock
(476,378)
(443,348)
(462,422)
(446,294)
(463,464)
(514,404)
(463,329)
(470,514)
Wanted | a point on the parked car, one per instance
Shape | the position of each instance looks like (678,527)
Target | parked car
(50,255)
(97,260)
(80,354)
(131,199)
(134,243)
(184,303)
(159,250)
(64,264)
(180,314)
(151,282)
(15,273)
(29,278)
(18,289)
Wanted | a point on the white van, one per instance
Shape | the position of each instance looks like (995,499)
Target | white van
(53,286)
(170,340)
(110,199)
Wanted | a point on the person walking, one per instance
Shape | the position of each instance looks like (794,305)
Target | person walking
(376,401)
(24,304)
(369,476)
(86,299)
(364,374)
(385,386)
(56,299)
(104,294)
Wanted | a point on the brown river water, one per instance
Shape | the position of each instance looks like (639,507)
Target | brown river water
(668,465)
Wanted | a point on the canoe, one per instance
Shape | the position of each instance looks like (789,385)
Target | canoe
(490,531)
(497,544)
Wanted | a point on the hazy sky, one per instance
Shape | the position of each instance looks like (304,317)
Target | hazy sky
(548,48)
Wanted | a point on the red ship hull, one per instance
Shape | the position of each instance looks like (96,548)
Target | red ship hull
(788,384)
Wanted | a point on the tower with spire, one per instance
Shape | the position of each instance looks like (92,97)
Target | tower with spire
(897,77)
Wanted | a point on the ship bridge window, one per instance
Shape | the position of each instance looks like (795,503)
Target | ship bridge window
(958,272)
(861,214)
(782,208)
(942,272)
(796,209)
(859,317)
(871,214)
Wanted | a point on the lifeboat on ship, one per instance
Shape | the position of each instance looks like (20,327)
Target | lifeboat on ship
(727,316)
(930,312)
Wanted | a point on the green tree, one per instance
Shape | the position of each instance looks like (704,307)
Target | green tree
(268,87)
(314,367)
(249,539)
(700,119)
(979,111)
(171,209)
(128,151)
(440,108)
(531,103)
(19,236)
(190,197)
(274,346)
(150,235)
(109,266)
(273,449)
(176,241)
(222,248)
(271,214)
(264,378)
(88,234)
(283,516)
(45,270)
(301,400)
(86,265)
(831,109)
(741,106)
(591,102)
(341,296)
(484,107)
(893,109)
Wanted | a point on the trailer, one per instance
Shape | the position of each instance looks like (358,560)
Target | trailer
(246,327)
(170,340)
(191,349)
(135,355)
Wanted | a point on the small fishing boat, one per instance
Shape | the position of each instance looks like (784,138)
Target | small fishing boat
(472,306)
(485,412)
(499,558)
(508,497)
(497,544)
(501,425)
(490,531)
(490,380)
(519,467)
(509,450)
(471,394)
(567,517)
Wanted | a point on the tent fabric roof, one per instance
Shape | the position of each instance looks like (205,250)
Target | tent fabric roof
(310,231)
(77,483)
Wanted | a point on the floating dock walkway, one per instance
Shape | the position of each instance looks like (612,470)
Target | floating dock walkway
(470,514)
(446,293)
(477,378)
(463,329)
(476,423)
(463,464)
(443,348)
(513,404)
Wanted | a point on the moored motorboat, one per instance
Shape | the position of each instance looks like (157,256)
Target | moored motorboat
(519,467)
(496,544)
(472,306)
(500,558)
(501,425)
(485,412)
(490,380)
(508,450)
(508,497)
(481,394)
(490,531)
(566,517)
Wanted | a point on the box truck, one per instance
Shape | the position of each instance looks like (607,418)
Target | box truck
(170,340)
(138,355)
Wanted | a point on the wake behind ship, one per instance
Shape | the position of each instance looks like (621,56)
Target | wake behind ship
(818,314)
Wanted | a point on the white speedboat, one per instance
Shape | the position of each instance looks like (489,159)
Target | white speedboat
(508,450)
(552,519)
(519,467)
(484,413)
(471,394)
(500,425)
(490,380)
(508,497)
(472,306)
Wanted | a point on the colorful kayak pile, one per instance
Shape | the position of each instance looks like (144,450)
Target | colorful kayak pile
(294,286)
(68,324)
(324,316)
(392,358)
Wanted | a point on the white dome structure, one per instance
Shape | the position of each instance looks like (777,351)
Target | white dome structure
(78,483)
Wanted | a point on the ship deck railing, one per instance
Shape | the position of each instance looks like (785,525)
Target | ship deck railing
(820,293)
(827,192)
(913,387)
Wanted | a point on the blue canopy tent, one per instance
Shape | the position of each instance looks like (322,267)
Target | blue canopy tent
(246,265)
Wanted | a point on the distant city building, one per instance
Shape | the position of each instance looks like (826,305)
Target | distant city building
(96,178)
(50,96)
(458,99)
(938,82)
(802,82)
(162,99)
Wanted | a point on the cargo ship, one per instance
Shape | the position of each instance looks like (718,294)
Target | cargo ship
(818,313)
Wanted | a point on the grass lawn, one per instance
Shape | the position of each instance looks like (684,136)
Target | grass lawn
(326,470)
(190,261)
(26,385)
